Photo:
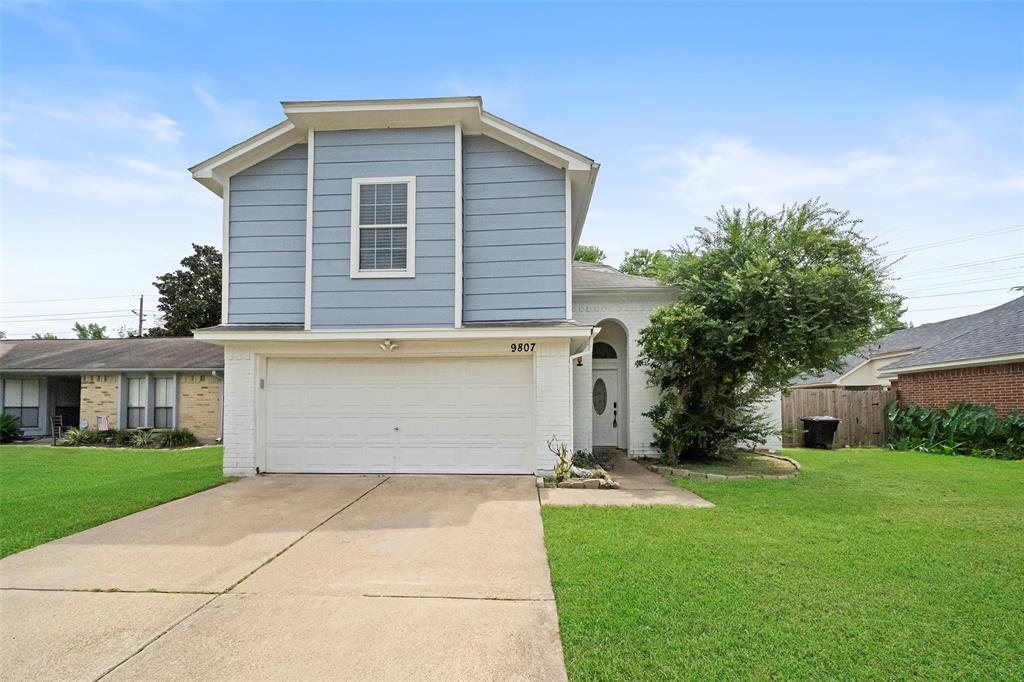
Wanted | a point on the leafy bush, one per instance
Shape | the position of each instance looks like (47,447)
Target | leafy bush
(73,437)
(177,438)
(10,428)
(762,298)
(960,429)
(118,438)
(563,467)
(143,439)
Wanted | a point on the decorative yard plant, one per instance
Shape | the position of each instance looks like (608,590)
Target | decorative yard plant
(763,298)
(960,429)
(10,428)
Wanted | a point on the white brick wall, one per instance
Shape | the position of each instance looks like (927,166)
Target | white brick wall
(553,402)
(239,411)
(632,311)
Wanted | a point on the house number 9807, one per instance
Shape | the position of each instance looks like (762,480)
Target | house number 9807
(522,347)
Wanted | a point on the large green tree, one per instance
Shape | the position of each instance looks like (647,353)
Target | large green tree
(589,254)
(87,331)
(190,296)
(647,263)
(763,298)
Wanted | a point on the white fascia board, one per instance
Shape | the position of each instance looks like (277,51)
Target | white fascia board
(408,334)
(370,114)
(212,172)
(533,144)
(890,371)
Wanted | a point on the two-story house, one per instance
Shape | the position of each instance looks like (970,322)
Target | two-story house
(399,296)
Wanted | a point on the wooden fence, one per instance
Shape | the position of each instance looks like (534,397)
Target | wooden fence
(861,411)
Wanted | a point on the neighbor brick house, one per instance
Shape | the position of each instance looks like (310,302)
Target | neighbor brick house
(984,364)
(121,383)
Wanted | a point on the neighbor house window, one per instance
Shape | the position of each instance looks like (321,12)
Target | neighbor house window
(136,402)
(163,403)
(383,227)
(21,400)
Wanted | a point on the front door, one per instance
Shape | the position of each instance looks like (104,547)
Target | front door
(605,399)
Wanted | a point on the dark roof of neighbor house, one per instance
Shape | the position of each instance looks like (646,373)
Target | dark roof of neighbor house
(598,276)
(998,338)
(918,341)
(109,354)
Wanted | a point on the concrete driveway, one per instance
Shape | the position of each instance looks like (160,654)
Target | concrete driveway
(294,577)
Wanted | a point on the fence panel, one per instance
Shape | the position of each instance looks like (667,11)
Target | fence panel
(861,413)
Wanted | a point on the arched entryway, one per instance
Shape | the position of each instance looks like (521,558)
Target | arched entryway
(609,390)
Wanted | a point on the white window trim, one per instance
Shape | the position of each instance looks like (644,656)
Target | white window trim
(410,230)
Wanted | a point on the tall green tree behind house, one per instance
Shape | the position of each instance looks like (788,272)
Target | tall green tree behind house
(190,296)
(589,254)
(763,298)
(647,263)
(86,331)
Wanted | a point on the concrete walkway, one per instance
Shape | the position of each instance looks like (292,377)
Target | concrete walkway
(298,578)
(638,486)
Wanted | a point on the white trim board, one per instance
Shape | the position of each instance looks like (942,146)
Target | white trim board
(308,303)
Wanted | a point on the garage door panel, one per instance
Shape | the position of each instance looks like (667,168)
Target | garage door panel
(421,415)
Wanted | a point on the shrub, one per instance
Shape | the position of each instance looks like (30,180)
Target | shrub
(73,438)
(119,438)
(143,439)
(10,428)
(177,438)
(960,429)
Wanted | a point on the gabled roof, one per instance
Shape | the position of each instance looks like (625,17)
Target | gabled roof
(916,343)
(74,355)
(600,277)
(990,339)
(304,116)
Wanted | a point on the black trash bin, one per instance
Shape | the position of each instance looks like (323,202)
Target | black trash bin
(819,431)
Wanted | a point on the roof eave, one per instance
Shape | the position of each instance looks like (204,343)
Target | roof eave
(890,371)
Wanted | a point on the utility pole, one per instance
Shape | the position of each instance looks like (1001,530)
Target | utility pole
(141,297)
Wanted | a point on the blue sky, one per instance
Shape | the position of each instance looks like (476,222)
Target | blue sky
(910,116)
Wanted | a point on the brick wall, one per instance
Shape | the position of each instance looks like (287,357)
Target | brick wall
(199,405)
(999,385)
(99,398)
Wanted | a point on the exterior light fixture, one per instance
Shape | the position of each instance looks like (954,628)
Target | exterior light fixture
(388,345)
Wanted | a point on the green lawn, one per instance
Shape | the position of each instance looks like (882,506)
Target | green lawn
(47,493)
(869,565)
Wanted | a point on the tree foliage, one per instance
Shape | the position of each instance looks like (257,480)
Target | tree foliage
(86,331)
(589,254)
(763,298)
(647,263)
(190,296)
(47,335)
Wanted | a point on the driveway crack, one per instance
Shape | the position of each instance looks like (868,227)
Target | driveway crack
(233,586)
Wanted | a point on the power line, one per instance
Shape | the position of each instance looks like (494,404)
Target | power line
(957,240)
(68,319)
(991,271)
(969,264)
(55,314)
(961,293)
(973,280)
(58,300)
(954,307)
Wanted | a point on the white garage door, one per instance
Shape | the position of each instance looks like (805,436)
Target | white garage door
(423,415)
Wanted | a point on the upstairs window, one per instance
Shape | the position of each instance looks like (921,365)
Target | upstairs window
(21,401)
(383,227)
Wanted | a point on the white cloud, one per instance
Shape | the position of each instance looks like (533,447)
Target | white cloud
(119,114)
(123,180)
(206,98)
(731,170)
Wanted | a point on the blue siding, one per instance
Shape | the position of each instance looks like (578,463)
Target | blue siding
(513,235)
(267,240)
(426,300)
